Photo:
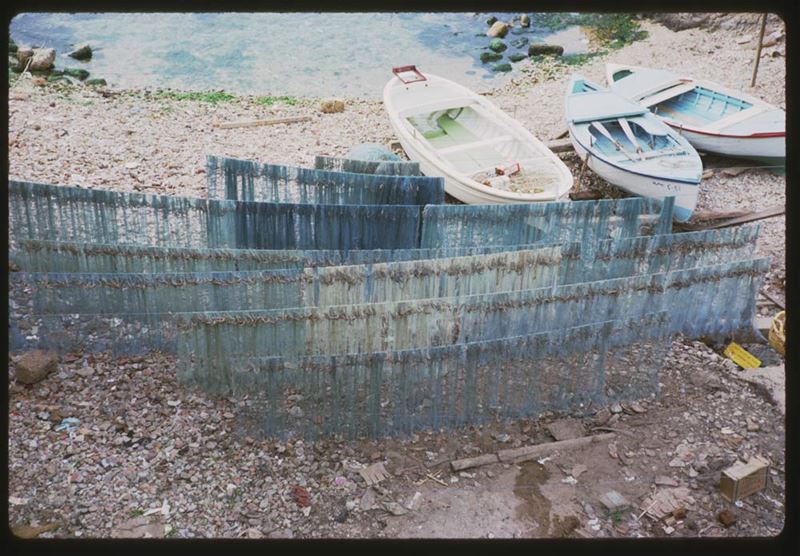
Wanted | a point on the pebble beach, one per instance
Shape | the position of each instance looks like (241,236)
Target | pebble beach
(151,454)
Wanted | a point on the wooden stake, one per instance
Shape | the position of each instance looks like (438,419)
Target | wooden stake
(578,185)
(758,49)
(466,463)
(530,452)
(254,123)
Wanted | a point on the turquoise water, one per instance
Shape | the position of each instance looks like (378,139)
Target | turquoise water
(301,54)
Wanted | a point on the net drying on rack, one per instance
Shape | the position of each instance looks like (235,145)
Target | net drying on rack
(31,255)
(212,339)
(385,167)
(323,285)
(49,212)
(577,221)
(246,180)
(377,394)
(58,213)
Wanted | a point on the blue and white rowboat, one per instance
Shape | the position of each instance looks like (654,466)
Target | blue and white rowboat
(712,117)
(631,148)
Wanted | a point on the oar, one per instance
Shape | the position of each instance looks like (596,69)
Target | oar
(601,128)
(623,123)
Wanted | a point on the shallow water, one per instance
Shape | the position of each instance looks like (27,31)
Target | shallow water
(301,54)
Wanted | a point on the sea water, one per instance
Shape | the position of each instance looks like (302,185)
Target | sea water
(299,54)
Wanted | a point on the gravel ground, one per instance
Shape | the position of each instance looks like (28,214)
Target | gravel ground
(149,452)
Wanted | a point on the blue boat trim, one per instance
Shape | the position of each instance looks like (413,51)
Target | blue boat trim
(655,176)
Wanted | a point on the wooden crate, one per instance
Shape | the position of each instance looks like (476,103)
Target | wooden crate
(744,479)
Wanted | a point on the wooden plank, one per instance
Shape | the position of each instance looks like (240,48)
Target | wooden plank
(477,461)
(254,123)
(530,452)
(774,299)
(752,217)
(718,215)
(559,146)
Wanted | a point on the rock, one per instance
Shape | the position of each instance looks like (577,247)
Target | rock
(491,20)
(498,29)
(663,480)
(516,57)
(727,518)
(497,45)
(394,508)
(502,437)
(681,21)
(253,533)
(368,500)
(602,417)
(566,429)
(578,470)
(538,49)
(614,501)
(331,106)
(43,59)
(81,74)
(502,67)
(525,20)
(82,52)
(140,527)
(29,532)
(487,57)
(85,372)
(96,82)
(744,40)
(281,534)
(296,412)
(752,426)
(520,42)
(773,38)
(34,366)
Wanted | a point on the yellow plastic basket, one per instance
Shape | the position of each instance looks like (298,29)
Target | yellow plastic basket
(777,334)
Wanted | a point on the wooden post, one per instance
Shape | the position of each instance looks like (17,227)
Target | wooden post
(758,49)
(578,185)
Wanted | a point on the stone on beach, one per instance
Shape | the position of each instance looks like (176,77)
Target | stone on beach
(34,366)
(498,29)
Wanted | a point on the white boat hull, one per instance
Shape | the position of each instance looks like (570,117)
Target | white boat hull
(645,186)
(737,146)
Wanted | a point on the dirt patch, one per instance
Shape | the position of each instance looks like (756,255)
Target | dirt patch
(534,505)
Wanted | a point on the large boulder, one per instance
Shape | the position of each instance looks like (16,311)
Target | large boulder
(497,45)
(517,56)
(538,49)
(491,20)
(82,52)
(34,366)
(525,20)
(96,82)
(43,59)
(498,29)
(505,66)
(23,55)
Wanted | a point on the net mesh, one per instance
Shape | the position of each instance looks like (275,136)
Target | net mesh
(246,180)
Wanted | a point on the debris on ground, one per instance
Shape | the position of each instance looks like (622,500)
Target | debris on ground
(374,473)
(665,501)
(566,429)
(614,501)
(727,518)
(34,366)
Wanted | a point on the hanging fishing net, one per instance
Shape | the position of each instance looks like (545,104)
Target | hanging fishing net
(246,180)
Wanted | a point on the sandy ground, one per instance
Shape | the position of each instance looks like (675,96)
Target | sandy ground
(188,460)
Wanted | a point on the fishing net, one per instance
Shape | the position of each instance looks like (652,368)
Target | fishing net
(48,212)
(211,339)
(67,257)
(286,284)
(585,222)
(245,180)
(114,293)
(386,167)
(400,392)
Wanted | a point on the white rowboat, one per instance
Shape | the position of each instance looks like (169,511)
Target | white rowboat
(712,117)
(630,148)
(459,135)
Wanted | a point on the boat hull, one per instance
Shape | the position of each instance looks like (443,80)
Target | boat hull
(462,189)
(655,187)
(766,147)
